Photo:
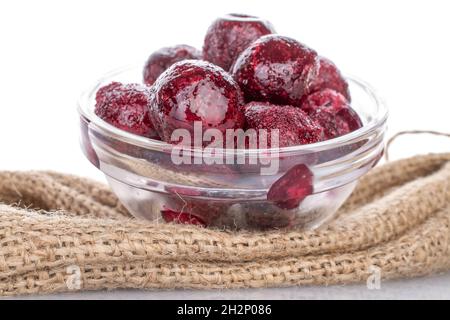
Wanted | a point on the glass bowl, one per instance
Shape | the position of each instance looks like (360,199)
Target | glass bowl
(310,184)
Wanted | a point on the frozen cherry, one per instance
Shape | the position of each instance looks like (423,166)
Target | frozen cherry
(160,60)
(295,126)
(277,69)
(191,210)
(194,90)
(329,77)
(181,218)
(333,112)
(325,97)
(292,188)
(231,34)
(125,106)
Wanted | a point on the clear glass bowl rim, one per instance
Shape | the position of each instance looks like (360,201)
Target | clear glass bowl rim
(87,111)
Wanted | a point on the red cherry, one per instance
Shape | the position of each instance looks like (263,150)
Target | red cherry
(333,112)
(292,188)
(181,218)
(329,77)
(277,69)
(295,126)
(160,60)
(192,91)
(125,106)
(231,34)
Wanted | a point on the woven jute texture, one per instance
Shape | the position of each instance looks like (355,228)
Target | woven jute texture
(54,227)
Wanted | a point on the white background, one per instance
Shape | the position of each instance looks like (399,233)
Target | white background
(50,51)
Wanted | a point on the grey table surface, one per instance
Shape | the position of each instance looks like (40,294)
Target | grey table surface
(431,287)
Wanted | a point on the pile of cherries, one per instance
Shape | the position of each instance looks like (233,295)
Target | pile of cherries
(247,76)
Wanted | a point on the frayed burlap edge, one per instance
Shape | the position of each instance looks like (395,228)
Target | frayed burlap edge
(396,220)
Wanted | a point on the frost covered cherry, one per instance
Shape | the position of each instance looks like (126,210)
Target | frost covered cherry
(295,126)
(160,60)
(329,77)
(231,34)
(277,69)
(181,218)
(333,112)
(125,106)
(194,90)
(292,188)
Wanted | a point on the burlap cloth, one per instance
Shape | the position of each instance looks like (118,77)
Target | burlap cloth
(396,220)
